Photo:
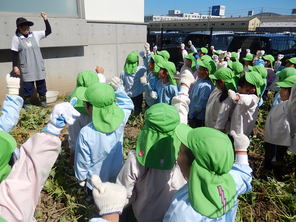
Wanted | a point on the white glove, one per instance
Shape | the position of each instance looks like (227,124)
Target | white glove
(239,50)
(82,183)
(181,102)
(62,114)
(143,79)
(212,48)
(115,83)
(190,43)
(13,84)
(153,95)
(241,141)
(187,78)
(184,90)
(232,95)
(155,48)
(147,47)
(108,197)
(182,45)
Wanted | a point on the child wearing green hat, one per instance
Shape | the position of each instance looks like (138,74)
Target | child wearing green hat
(164,54)
(291,62)
(200,93)
(166,87)
(271,77)
(99,144)
(83,79)
(248,61)
(219,106)
(277,129)
(246,109)
(130,77)
(150,173)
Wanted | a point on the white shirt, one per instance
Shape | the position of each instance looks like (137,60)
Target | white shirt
(245,114)
(38,35)
(277,127)
(102,78)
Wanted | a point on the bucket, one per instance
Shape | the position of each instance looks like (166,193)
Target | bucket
(52,96)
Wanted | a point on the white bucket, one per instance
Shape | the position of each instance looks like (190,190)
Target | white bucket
(12,84)
(52,96)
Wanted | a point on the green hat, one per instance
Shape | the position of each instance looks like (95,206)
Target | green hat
(7,146)
(193,60)
(229,64)
(255,79)
(157,144)
(2,219)
(209,64)
(205,57)
(269,58)
(164,54)
(226,75)
(157,60)
(292,60)
(170,68)
(84,79)
(217,52)
(106,115)
(234,55)
(260,69)
(289,71)
(249,57)
(131,63)
(287,82)
(212,189)
(204,50)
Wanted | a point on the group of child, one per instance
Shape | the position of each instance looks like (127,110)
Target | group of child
(176,172)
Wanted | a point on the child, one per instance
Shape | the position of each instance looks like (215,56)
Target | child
(100,73)
(166,87)
(277,129)
(219,106)
(268,60)
(291,62)
(150,174)
(246,110)
(189,65)
(131,80)
(248,61)
(84,79)
(99,144)
(200,93)
(278,63)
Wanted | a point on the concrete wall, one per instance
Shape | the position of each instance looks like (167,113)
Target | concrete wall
(74,45)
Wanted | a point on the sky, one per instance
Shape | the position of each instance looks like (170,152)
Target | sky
(232,7)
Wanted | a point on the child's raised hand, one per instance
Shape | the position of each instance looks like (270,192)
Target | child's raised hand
(233,95)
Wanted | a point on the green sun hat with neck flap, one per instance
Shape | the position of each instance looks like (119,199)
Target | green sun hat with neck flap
(157,144)
(260,69)
(269,58)
(7,146)
(255,79)
(287,82)
(157,60)
(106,115)
(170,68)
(226,75)
(234,55)
(204,50)
(131,63)
(289,71)
(209,64)
(209,178)
(205,57)
(292,60)
(249,57)
(164,54)
(193,61)
(84,79)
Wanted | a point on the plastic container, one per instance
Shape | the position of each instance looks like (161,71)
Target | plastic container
(52,96)
(12,84)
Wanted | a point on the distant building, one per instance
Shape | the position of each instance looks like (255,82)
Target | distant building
(174,15)
(245,24)
(276,23)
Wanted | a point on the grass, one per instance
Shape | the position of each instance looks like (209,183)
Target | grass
(63,200)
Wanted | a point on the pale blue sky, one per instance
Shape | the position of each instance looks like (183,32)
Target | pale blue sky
(233,7)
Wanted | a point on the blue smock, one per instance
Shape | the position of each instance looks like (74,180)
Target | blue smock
(199,96)
(100,153)
(181,210)
(12,106)
(131,82)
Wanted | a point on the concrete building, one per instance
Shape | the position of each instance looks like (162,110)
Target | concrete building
(244,24)
(276,23)
(85,33)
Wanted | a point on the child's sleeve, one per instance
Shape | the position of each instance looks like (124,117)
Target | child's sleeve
(242,175)
(169,93)
(202,100)
(20,191)
(247,100)
(82,158)
(292,110)
(12,106)
(123,100)
(130,173)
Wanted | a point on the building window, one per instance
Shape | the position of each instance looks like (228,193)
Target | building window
(196,24)
(204,24)
(243,23)
(213,24)
(222,23)
(232,24)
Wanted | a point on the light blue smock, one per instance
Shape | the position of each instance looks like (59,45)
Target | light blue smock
(199,96)
(12,106)
(181,210)
(131,82)
(100,153)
